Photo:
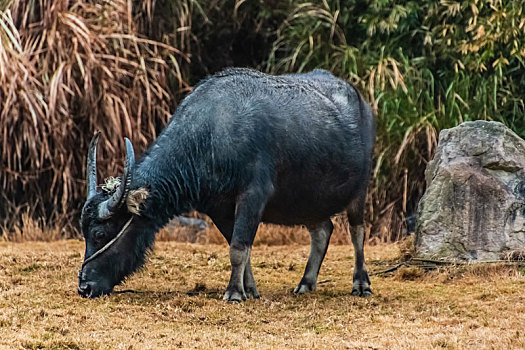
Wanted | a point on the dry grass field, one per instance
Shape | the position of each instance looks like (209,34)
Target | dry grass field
(175,302)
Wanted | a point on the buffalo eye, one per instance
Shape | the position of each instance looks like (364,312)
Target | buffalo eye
(99,237)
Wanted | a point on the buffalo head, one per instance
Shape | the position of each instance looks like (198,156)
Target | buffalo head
(112,226)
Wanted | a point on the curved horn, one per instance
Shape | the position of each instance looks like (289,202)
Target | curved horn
(91,175)
(109,206)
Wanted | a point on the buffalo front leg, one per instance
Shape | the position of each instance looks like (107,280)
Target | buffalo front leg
(319,239)
(239,255)
(247,218)
(225,226)
(242,283)
(250,287)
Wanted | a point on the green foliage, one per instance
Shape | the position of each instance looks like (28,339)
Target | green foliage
(424,66)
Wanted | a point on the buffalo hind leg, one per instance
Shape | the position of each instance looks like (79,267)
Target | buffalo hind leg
(248,213)
(361,281)
(319,239)
(225,226)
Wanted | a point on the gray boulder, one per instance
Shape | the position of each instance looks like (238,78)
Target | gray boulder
(184,229)
(474,204)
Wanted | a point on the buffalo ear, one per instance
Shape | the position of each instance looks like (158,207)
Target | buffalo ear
(135,198)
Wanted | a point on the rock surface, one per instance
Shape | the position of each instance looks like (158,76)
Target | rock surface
(474,205)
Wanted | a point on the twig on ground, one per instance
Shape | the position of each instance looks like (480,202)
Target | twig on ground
(324,281)
(430,264)
(391,269)
(445,262)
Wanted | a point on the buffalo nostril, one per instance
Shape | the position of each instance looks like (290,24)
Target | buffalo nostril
(84,290)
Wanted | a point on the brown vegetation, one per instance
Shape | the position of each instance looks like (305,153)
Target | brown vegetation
(31,231)
(68,68)
(175,302)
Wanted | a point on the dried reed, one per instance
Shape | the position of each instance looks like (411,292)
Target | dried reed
(68,68)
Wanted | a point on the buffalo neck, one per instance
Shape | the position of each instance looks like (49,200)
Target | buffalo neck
(170,174)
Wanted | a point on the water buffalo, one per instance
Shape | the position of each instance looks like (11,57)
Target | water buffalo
(243,147)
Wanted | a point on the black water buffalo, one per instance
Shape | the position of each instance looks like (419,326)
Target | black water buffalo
(243,147)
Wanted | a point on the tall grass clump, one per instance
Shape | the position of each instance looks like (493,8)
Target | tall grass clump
(71,67)
(68,68)
(424,66)
(215,33)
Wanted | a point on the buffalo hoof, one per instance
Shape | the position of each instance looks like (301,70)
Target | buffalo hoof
(252,292)
(304,288)
(361,290)
(234,296)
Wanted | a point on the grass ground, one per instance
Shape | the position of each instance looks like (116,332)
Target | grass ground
(175,302)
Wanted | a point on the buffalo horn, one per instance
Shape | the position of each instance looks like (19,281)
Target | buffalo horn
(109,206)
(91,175)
